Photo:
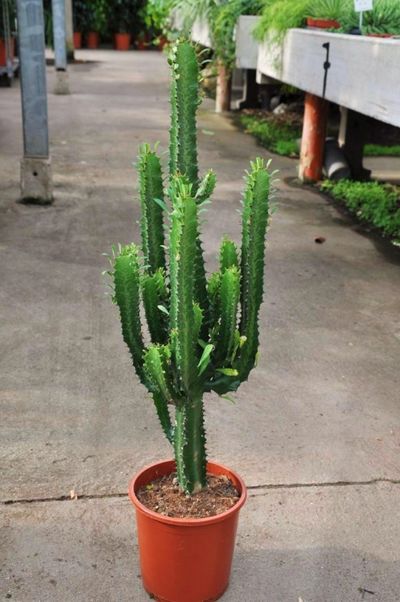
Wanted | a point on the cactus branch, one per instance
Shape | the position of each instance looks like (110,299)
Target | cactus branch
(151,187)
(157,369)
(254,225)
(127,287)
(228,254)
(185,100)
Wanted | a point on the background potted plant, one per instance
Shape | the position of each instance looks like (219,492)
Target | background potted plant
(80,13)
(204,337)
(278,16)
(155,15)
(221,19)
(7,39)
(383,20)
(96,22)
(142,40)
(123,17)
(326,14)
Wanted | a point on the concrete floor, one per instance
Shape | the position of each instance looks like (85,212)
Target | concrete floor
(316,430)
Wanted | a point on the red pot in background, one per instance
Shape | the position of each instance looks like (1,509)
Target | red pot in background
(143,41)
(92,40)
(77,40)
(162,42)
(122,41)
(3,56)
(185,560)
(141,44)
(322,23)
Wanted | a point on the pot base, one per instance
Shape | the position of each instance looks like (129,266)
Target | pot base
(217,597)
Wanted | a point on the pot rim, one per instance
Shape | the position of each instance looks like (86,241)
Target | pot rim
(188,522)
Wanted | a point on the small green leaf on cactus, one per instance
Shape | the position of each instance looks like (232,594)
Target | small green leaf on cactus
(161,204)
(206,187)
(228,398)
(228,371)
(205,358)
(163,309)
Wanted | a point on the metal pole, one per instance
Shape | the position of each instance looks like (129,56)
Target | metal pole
(60,47)
(69,28)
(59,35)
(36,183)
(33,77)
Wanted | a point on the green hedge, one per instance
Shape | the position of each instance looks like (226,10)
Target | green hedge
(375,203)
(273,133)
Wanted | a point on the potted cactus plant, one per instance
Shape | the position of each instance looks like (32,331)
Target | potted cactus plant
(203,337)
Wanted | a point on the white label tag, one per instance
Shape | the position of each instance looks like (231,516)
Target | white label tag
(361,5)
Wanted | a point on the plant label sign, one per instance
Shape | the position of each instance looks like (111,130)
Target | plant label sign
(362,5)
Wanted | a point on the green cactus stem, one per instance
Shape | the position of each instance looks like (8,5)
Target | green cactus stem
(190,445)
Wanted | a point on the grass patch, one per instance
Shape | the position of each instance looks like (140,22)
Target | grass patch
(375,203)
(278,134)
(378,150)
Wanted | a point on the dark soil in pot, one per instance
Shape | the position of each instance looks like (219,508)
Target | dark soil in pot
(164,496)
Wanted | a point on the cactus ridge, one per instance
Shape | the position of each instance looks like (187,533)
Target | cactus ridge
(203,331)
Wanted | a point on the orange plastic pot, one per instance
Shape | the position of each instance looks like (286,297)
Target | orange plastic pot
(322,23)
(185,560)
(92,40)
(122,41)
(77,39)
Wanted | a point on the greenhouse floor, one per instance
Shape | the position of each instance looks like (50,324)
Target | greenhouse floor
(316,430)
